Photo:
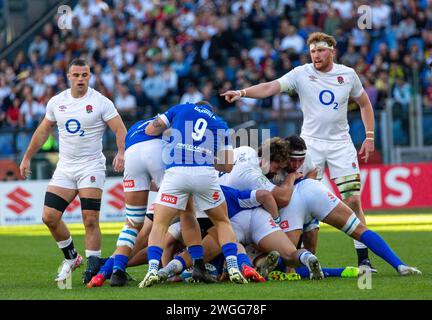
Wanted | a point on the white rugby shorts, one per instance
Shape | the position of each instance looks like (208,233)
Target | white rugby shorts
(339,156)
(251,226)
(88,175)
(310,200)
(143,163)
(181,182)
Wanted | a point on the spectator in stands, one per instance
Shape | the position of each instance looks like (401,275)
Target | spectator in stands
(31,111)
(125,102)
(192,94)
(39,46)
(13,118)
(154,88)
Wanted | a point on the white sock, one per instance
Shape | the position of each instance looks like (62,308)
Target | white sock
(304,257)
(153,265)
(231,262)
(64,243)
(174,267)
(96,253)
(359,245)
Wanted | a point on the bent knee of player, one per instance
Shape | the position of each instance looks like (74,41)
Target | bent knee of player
(91,220)
(50,219)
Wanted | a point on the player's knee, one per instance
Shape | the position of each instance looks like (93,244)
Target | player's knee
(352,226)
(135,215)
(127,237)
(91,221)
(50,220)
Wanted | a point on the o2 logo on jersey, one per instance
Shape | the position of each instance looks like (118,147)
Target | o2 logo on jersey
(73,126)
(327,98)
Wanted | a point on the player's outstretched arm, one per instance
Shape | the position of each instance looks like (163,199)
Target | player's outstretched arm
(117,126)
(38,139)
(259,91)
(367,114)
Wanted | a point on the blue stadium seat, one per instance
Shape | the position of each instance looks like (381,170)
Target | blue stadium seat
(427,129)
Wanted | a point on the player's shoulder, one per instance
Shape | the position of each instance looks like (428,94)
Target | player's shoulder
(341,68)
(59,97)
(93,93)
(245,154)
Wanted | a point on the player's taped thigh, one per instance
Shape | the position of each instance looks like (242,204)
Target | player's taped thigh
(56,202)
(349,185)
(135,214)
(90,204)
(127,237)
(351,224)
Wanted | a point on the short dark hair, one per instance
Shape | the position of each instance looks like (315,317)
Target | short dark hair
(296,143)
(78,62)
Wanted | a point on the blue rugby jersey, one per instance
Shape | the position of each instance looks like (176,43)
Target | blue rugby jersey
(137,134)
(197,135)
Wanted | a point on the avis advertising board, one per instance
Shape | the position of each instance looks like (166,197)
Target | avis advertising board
(384,187)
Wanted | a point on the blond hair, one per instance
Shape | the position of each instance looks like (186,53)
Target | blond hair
(321,36)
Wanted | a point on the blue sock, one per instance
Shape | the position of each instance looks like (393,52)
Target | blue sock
(196,252)
(107,268)
(229,249)
(120,262)
(154,253)
(281,265)
(179,258)
(328,272)
(378,246)
(242,259)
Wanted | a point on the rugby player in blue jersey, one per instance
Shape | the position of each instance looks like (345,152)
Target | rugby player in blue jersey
(200,145)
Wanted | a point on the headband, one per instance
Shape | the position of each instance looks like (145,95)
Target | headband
(320,44)
(297,154)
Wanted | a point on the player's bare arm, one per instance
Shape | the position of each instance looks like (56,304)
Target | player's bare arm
(38,139)
(119,129)
(156,127)
(259,91)
(368,119)
(268,202)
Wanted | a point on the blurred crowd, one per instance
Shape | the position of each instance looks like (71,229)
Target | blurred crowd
(146,55)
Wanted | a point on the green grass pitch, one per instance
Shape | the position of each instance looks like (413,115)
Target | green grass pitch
(30,258)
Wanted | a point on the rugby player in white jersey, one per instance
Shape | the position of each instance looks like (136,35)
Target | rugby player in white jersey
(81,115)
(324,88)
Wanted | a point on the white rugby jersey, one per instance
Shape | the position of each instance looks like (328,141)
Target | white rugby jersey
(81,124)
(323,99)
(246,173)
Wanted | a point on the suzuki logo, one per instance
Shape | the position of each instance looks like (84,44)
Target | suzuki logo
(118,196)
(19,204)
